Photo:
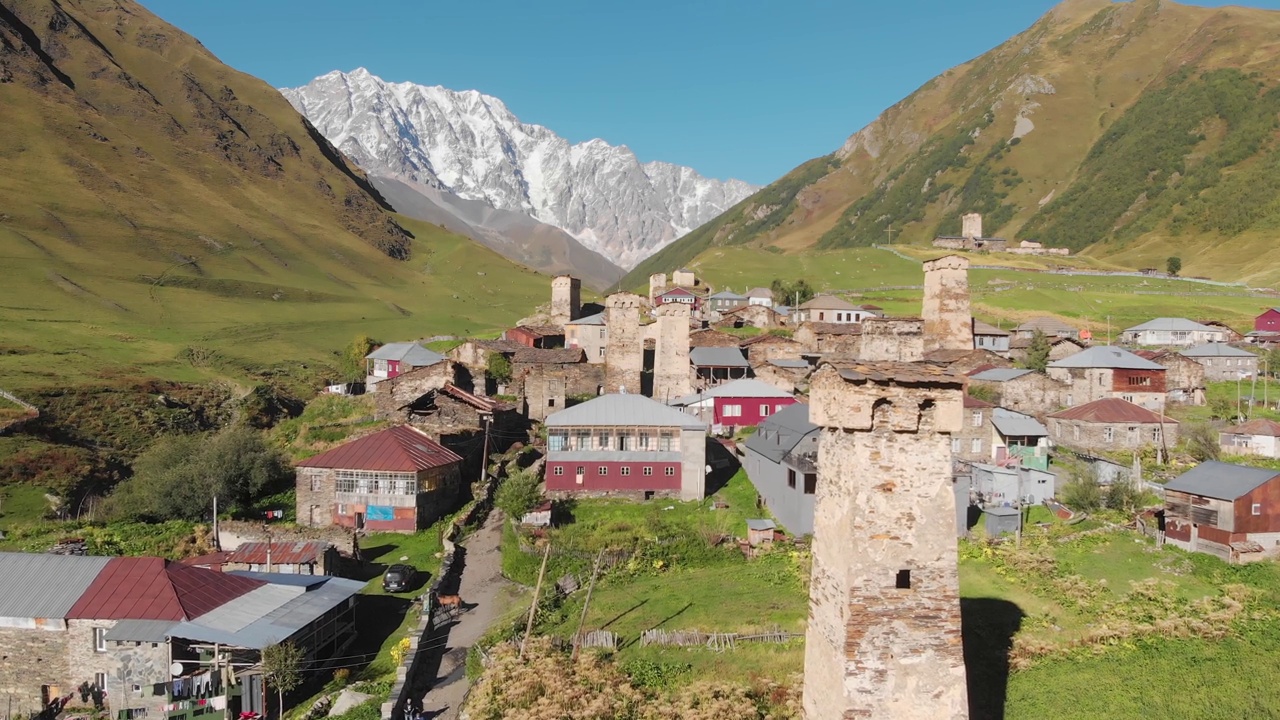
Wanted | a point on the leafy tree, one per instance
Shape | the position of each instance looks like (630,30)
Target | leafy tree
(1173,265)
(282,666)
(498,368)
(518,494)
(1038,352)
(179,475)
(352,357)
(790,294)
(1123,496)
(1201,440)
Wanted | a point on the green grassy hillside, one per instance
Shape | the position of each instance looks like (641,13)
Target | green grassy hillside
(1129,131)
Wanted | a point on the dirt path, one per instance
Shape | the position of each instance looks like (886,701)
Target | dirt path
(483,589)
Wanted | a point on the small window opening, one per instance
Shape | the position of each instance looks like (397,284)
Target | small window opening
(904,580)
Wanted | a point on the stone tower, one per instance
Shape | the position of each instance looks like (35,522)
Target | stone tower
(624,350)
(566,299)
(671,353)
(891,338)
(948,321)
(972,225)
(657,286)
(883,639)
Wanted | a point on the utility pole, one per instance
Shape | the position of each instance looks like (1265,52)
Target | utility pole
(484,455)
(595,572)
(217,543)
(533,609)
(268,533)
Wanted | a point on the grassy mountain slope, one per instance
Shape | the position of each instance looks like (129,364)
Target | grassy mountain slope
(1131,131)
(158,209)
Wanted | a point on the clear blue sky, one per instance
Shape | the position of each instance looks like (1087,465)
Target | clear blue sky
(733,88)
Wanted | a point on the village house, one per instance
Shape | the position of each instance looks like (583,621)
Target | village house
(735,404)
(590,334)
(289,557)
(1223,362)
(684,277)
(1184,378)
(972,442)
(1016,486)
(758,316)
(760,296)
(786,375)
(725,301)
(545,380)
(397,480)
(1111,424)
(1256,437)
(715,365)
(1059,348)
(1022,390)
(471,361)
(966,362)
(830,339)
(1229,334)
(829,309)
(1106,371)
(149,637)
(459,419)
(713,338)
(396,393)
(626,444)
(536,336)
(397,358)
(680,295)
(772,347)
(1231,511)
(990,337)
(1052,327)
(1268,321)
(1171,332)
(781,461)
(1019,436)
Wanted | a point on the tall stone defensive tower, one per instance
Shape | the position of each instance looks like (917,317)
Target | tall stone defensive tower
(566,299)
(971,224)
(671,353)
(883,639)
(657,286)
(624,350)
(948,320)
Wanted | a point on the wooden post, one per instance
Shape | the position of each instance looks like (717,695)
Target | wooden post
(595,572)
(537,590)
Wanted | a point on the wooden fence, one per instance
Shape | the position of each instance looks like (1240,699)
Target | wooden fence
(714,641)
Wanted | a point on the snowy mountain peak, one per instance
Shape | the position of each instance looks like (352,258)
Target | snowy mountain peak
(469,144)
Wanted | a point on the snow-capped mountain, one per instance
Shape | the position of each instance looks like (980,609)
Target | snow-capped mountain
(471,145)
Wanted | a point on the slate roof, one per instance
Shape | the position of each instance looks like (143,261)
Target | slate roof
(1215,349)
(1015,424)
(1047,325)
(1106,356)
(289,553)
(718,357)
(826,328)
(981,328)
(44,586)
(1170,324)
(767,338)
(828,302)
(1220,480)
(407,352)
(789,364)
(713,338)
(905,372)
(597,319)
(1001,374)
(397,449)
(1021,343)
(1260,426)
(1111,410)
(149,588)
(623,409)
(550,356)
(782,431)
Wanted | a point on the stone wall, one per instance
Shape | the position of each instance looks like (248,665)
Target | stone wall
(394,393)
(566,299)
(547,387)
(671,353)
(948,321)
(126,664)
(1092,436)
(33,657)
(1032,394)
(883,639)
(624,352)
(892,339)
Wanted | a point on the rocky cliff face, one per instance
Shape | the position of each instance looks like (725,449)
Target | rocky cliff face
(471,145)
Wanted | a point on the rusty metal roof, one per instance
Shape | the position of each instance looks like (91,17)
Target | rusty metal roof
(289,553)
(1260,426)
(143,588)
(905,372)
(397,449)
(1111,410)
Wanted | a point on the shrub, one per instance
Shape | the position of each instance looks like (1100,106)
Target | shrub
(518,494)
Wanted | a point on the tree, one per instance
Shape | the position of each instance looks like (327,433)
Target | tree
(791,294)
(352,358)
(1038,352)
(1202,441)
(282,666)
(1083,492)
(1173,265)
(518,494)
(498,368)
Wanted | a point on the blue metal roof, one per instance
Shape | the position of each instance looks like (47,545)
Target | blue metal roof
(278,624)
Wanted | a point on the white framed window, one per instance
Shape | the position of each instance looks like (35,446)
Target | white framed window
(601,352)
(955,445)
(647,471)
(100,680)
(315,484)
(602,337)
(625,470)
(764,410)
(976,445)
(1108,434)
(664,442)
(1256,509)
(342,509)
(559,470)
(976,418)
(1155,435)
(99,639)
(669,472)
(733,411)
(604,470)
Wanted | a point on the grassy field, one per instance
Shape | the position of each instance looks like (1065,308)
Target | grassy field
(21,504)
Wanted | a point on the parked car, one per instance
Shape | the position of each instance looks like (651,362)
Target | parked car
(399,578)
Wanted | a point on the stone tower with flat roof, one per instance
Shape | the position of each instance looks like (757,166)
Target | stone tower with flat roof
(971,224)
(883,639)
(948,320)
(566,299)
(624,349)
(671,353)
(657,286)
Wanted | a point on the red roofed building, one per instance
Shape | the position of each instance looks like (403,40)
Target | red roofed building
(397,479)
(149,588)
(1111,424)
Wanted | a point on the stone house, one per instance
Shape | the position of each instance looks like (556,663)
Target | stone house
(786,375)
(1105,371)
(1184,377)
(396,393)
(1019,436)
(458,420)
(1059,348)
(1051,327)
(758,316)
(831,339)
(990,337)
(1231,511)
(1172,332)
(1111,424)
(1223,362)
(589,333)
(1256,437)
(972,442)
(684,277)
(1023,390)
(1229,334)
(781,459)
(725,301)
(547,379)
(966,362)
(896,339)
(768,346)
(394,359)
(300,557)
(627,445)
(828,309)
(113,628)
(471,360)
(760,296)
(397,480)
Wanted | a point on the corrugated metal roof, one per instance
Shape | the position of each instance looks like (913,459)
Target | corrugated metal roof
(759,524)
(790,364)
(143,588)
(778,434)
(250,607)
(597,319)
(1111,410)
(828,302)
(277,578)
(726,295)
(718,357)
(303,551)
(398,449)
(760,292)
(45,586)
(623,410)
(280,623)
(410,352)
(1171,324)
(1261,426)
(156,631)
(1015,424)
(745,388)
(1220,480)
(981,328)
(1046,325)
(1000,374)
(1106,356)
(1216,350)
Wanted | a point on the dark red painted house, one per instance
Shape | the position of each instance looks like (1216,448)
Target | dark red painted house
(1232,511)
(682,296)
(536,336)
(626,445)
(1268,321)
(738,403)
